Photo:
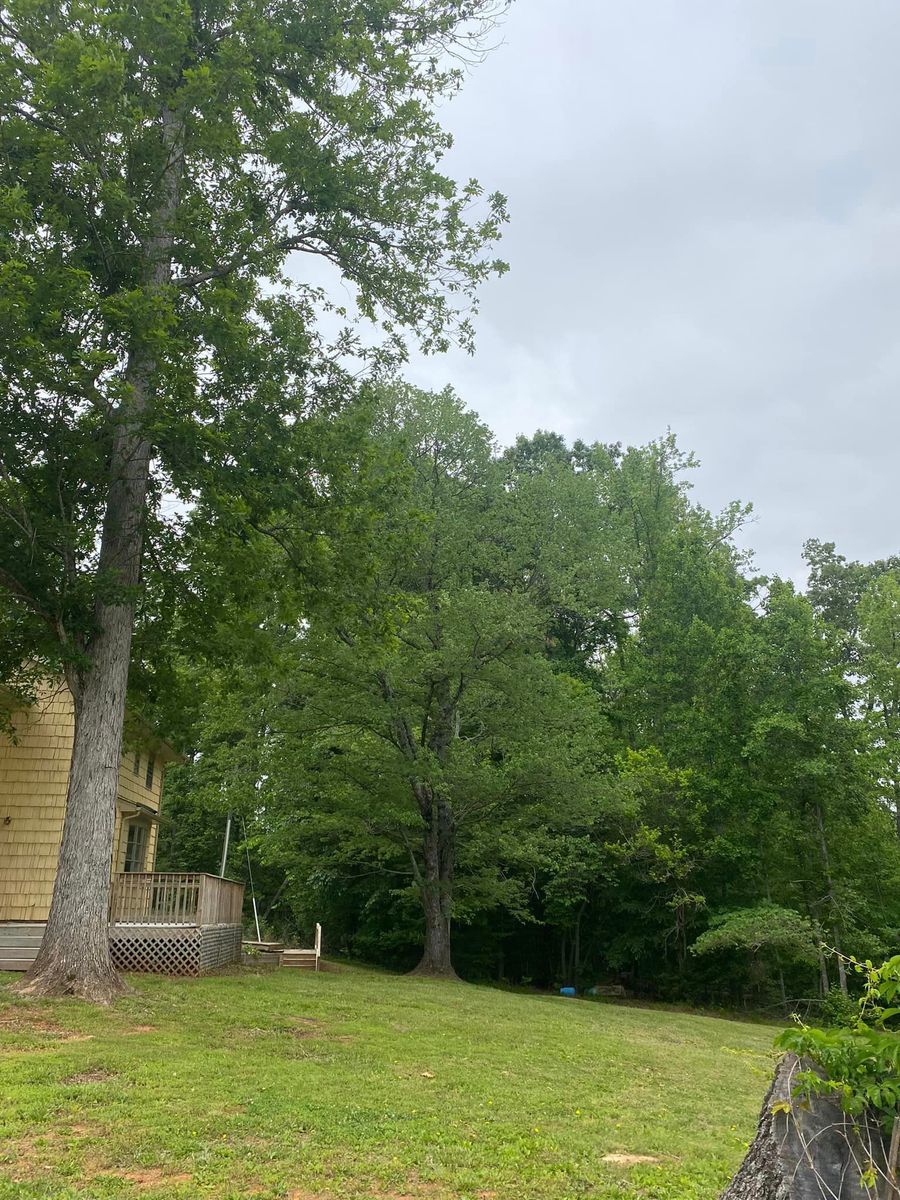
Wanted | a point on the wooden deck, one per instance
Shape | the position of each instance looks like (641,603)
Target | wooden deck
(175,923)
(175,898)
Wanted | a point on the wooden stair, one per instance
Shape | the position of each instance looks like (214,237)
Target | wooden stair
(19,944)
(306,960)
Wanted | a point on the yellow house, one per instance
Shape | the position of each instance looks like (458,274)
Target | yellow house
(184,922)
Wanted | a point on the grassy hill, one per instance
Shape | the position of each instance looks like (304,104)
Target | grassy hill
(289,1086)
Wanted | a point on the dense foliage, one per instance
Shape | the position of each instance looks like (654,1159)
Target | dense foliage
(528,713)
(561,712)
(165,168)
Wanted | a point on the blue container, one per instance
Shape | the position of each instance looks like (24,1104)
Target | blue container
(567,991)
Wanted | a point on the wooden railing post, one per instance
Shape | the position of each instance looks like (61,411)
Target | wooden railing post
(204,901)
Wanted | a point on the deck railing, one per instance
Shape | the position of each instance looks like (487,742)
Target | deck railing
(175,898)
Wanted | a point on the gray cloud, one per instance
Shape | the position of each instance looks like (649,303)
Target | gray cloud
(705,235)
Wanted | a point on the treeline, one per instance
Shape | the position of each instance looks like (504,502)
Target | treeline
(545,725)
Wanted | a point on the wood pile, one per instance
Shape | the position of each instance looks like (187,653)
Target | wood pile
(263,952)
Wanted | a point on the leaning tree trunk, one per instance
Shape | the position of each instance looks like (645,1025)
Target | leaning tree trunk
(810,1152)
(436,886)
(74,957)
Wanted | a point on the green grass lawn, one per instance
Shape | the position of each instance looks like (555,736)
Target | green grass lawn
(292,1085)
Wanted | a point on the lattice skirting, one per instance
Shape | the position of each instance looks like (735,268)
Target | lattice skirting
(174,949)
(219,946)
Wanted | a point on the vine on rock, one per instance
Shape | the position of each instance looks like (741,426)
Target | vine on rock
(856,1064)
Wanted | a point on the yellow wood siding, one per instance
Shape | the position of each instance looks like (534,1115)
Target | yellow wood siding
(151,847)
(132,788)
(34,773)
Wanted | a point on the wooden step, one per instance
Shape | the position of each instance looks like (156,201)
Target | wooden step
(19,944)
(20,941)
(299,958)
(15,964)
(17,961)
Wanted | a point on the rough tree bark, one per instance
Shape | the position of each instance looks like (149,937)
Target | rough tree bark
(434,878)
(74,957)
(436,886)
(809,1153)
(439,840)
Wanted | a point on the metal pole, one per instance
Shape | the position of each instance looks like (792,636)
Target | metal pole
(225,846)
(256,919)
(250,876)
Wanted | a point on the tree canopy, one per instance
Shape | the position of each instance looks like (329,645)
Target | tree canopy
(561,732)
(166,168)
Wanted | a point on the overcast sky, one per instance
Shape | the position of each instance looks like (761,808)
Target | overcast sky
(705,234)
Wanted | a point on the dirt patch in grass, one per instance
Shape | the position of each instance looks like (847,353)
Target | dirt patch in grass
(85,1130)
(149,1177)
(253,1140)
(97,1075)
(302,1028)
(415,1188)
(30,1148)
(318,1035)
(17,1019)
(22,1020)
(629,1160)
(135,1029)
(31,1154)
(309,1027)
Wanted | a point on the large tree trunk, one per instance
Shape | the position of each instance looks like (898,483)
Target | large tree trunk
(74,956)
(813,1152)
(436,886)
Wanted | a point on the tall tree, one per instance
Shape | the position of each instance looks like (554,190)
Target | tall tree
(433,702)
(879,670)
(165,167)
(421,734)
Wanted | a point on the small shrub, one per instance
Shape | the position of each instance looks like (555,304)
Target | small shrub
(839,1011)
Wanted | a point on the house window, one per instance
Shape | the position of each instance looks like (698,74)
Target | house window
(136,768)
(148,782)
(136,847)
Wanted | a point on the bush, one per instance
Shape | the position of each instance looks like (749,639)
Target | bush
(839,1011)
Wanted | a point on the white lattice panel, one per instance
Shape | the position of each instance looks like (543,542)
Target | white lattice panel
(167,951)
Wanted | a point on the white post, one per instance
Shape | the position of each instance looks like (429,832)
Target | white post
(225,846)
(318,943)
